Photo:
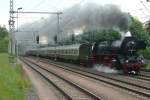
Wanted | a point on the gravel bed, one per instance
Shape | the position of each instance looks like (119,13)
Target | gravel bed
(72,91)
(100,89)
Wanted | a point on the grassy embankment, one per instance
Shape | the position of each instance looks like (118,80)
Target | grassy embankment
(12,82)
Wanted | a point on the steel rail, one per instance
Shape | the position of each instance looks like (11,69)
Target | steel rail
(89,74)
(72,83)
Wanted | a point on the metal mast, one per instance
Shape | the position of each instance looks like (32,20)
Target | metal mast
(11,28)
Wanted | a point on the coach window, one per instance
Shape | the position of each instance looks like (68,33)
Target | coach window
(67,51)
(64,51)
(71,51)
(75,51)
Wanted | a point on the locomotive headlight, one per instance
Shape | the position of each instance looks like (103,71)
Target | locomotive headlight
(114,60)
(127,61)
(142,61)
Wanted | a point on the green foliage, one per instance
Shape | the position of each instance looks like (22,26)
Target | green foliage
(3,33)
(146,53)
(91,36)
(12,83)
(4,44)
(4,40)
(137,31)
(66,41)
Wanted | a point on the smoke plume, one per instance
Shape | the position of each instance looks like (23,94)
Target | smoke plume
(105,69)
(89,16)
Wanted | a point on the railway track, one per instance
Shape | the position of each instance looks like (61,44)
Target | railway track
(147,79)
(69,89)
(145,74)
(146,70)
(139,89)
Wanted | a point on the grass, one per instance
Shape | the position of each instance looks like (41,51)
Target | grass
(12,82)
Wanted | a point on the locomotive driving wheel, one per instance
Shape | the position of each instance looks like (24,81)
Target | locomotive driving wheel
(116,64)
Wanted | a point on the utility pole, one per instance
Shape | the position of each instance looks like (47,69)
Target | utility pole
(58,18)
(17,16)
(58,22)
(12,46)
(57,13)
(11,28)
(148,24)
(13,42)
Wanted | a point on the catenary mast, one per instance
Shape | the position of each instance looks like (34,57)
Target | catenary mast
(11,29)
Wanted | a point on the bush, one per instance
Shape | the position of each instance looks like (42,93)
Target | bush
(4,40)
(146,53)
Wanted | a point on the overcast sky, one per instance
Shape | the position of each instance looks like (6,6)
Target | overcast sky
(135,7)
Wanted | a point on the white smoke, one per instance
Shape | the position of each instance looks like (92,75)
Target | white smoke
(105,69)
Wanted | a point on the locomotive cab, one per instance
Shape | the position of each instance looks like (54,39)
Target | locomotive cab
(104,54)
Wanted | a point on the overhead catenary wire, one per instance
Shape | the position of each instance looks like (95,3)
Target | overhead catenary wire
(145,15)
(147,9)
(38,5)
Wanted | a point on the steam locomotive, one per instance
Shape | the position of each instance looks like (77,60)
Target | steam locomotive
(119,54)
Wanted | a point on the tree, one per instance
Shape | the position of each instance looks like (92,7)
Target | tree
(94,35)
(137,30)
(4,40)
(3,32)
(91,36)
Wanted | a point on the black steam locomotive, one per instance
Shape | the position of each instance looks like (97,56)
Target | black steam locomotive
(118,54)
